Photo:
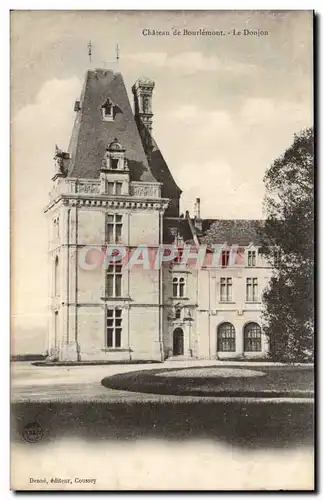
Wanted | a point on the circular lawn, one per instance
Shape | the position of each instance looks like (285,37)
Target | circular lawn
(264,381)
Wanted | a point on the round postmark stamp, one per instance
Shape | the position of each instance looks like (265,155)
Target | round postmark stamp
(32,432)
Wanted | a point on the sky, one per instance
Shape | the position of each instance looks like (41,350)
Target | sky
(224,108)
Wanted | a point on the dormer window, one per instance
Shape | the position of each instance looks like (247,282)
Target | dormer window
(114,158)
(107,110)
(114,163)
(252,256)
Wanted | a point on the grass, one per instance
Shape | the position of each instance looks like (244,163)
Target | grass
(278,381)
(252,425)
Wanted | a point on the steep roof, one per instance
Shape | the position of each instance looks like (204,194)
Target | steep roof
(176,226)
(214,231)
(231,231)
(91,134)
(162,173)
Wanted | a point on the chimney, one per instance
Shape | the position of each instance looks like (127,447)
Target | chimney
(198,208)
(143,90)
(197,220)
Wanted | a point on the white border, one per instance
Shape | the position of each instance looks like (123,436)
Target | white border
(4,198)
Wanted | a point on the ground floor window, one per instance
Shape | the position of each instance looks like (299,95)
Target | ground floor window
(226,338)
(114,328)
(252,337)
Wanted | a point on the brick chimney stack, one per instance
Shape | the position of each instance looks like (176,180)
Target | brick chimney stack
(143,90)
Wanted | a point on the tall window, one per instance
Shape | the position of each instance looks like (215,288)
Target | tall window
(178,287)
(114,188)
(114,228)
(251,258)
(56,277)
(252,337)
(226,338)
(225,257)
(114,279)
(114,328)
(146,104)
(225,289)
(252,290)
(177,313)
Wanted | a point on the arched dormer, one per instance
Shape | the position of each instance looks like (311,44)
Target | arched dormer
(114,175)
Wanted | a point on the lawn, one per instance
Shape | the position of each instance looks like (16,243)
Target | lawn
(264,381)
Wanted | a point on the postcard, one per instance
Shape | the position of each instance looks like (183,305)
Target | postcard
(162,221)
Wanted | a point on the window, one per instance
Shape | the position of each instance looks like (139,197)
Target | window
(226,338)
(107,110)
(114,163)
(114,328)
(114,188)
(114,280)
(108,107)
(225,257)
(251,258)
(252,337)
(225,289)
(114,228)
(178,313)
(56,278)
(146,104)
(178,287)
(252,290)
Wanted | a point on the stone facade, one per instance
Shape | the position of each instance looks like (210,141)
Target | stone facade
(120,313)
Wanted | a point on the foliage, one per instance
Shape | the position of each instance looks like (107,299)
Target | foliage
(288,244)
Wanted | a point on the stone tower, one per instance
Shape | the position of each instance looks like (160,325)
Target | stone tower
(112,187)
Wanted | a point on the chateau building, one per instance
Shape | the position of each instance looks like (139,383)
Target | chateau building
(113,188)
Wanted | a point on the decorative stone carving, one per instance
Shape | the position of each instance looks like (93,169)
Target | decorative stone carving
(88,187)
(60,158)
(145,190)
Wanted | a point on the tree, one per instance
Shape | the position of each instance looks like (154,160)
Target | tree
(288,244)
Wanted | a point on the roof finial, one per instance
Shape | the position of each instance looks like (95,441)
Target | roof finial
(117,53)
(90,50)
